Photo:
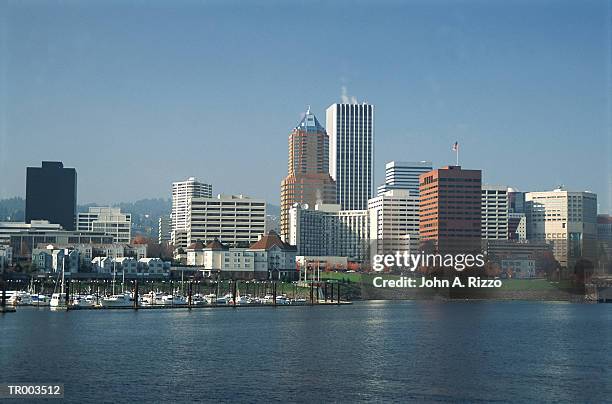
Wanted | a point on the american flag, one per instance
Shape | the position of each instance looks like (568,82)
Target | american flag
(456,146)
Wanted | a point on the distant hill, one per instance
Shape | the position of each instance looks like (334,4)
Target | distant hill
(145,213)
(12,209)
(272,210)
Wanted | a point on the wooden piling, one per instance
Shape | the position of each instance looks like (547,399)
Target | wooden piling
(136,294)
(274,293)
(67,290)
(3,293)
(311,293)
(233,292)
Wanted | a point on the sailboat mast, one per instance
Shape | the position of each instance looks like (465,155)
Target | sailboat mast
(114,275)
(63,272)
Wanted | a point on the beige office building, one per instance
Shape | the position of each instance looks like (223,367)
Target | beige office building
(567,220)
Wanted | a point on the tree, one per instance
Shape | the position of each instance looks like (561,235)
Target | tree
(583,270)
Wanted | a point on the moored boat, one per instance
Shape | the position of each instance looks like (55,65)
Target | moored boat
(120,300)
(58,301)
(18,298)
(40,300)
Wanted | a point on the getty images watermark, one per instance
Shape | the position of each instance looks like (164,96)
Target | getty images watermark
(404,260)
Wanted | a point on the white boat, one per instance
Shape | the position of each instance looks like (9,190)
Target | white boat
(151,299)
(58,301)
(199,300)
(227,299)
(173,300)
(83,301)
(40,300)
(268,299)
(242,300)
(282,300)
(298,301)
(121,300)
(18,298)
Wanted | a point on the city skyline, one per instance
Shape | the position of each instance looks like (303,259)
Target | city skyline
(506,90)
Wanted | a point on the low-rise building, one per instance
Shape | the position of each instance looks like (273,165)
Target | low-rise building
(102,265)
(152,266)
(107,220)
(272,254)
(6,256)
(25,241)
(327,230)
(53,260)
(9,228)
(518,253)
(217,259)
(128,265)
(519,268)
(87,252)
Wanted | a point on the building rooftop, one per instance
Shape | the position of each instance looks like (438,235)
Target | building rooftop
(310,123)
(216,245)
(270,240)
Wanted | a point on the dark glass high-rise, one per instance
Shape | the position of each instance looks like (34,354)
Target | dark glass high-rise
(51,194)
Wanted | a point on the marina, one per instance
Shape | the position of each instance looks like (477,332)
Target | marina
(94,295)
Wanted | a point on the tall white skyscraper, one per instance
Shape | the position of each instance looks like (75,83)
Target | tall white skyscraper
(404,175)
(182,192)
(351,153)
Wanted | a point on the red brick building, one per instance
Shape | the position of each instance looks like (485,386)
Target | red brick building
(449,209)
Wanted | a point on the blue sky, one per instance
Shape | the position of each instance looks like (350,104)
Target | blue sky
(136,95)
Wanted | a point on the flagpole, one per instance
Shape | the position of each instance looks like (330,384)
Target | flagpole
(457,151)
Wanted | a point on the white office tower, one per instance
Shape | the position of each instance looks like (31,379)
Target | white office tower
(107,220)
(567,220)
(235,220)
(394,222)
(404,175)
(494,212)
(351,153)
(182,192)
(327,230)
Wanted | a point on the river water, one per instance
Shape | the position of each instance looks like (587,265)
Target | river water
(377,350)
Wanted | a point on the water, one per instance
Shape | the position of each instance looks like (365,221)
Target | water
(391,351)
